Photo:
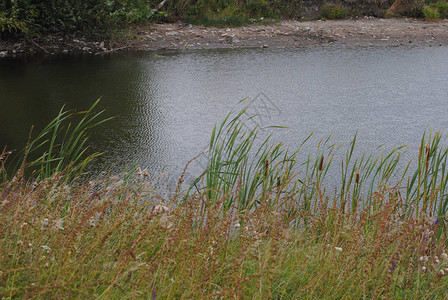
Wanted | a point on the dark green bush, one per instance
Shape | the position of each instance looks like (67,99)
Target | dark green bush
(46,16)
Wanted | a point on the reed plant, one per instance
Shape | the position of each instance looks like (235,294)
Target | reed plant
(258,223)
(59,148)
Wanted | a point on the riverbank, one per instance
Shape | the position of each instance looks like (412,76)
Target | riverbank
(356,32)
(179,36)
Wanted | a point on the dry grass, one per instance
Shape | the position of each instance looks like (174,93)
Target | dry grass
(253,228)
(119,240)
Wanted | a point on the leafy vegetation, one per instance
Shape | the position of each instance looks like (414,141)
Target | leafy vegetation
(441,7)
(257,223)
(42,16)
(431,13)
(333,12)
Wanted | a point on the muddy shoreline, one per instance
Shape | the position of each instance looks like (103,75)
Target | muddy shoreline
(179,36)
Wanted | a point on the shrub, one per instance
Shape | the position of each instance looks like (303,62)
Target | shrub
(227,17)
(95,16)
(333,12)
(431,13)
(442,8)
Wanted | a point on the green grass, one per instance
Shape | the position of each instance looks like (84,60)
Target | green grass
(258,223)
(431,13)
(334,12)
(441,7)
(227,17)
(60,147)
(230,16)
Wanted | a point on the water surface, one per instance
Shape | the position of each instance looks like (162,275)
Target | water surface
(167,103)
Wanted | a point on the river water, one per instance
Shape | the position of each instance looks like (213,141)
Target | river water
(166,103)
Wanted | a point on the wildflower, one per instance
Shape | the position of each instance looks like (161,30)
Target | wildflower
(46,248)
(338,249)
(58,224)
(165,222)
(24,225)
(92,222)
(139,172)
(20,243)
(44,224)
(394,265)
(424,268)
(158,209)
(424,259)
(443,256)
(441,273)
(237,225)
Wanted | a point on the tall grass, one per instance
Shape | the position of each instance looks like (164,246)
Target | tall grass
(258,223)
(60,147)
(271,169)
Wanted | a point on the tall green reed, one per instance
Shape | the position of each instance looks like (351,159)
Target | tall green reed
(247,171)
(61,147)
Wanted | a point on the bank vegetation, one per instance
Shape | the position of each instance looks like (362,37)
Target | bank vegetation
(258,222)
(101,18)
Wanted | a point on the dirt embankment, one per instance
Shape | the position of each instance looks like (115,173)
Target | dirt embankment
(356,32)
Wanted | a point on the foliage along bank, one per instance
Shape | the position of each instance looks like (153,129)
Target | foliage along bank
(101,17)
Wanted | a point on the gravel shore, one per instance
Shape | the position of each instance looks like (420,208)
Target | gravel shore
(359,32)
(177,36)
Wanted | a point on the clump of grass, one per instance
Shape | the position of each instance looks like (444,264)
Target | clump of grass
(333,12)
(257,224)
(442,8)
(227,17)
(61,146)
(431,13)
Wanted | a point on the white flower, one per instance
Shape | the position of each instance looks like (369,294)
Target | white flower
(59,224)
(443,256)
(237,225)
(159,209)
(46,248)
(423,258)
(441,273)
(139,172)
(338,249)
(423,268)
(44,224)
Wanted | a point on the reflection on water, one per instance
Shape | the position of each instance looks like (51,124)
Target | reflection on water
(167,103)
